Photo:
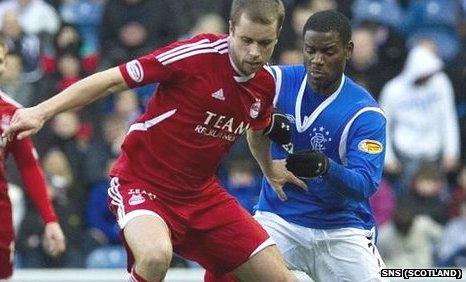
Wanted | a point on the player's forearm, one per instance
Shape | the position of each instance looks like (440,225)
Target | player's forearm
(83,92)
(350,182)
(259,144)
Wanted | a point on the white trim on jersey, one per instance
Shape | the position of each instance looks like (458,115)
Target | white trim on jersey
(342,149)
(167,55)
(10,100)
(197,52)
(309,120)
(205,40)
(278,83)
(143,126)
(219,46)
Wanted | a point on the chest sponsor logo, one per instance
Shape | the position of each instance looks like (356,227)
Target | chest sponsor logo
(220,126)
(219,95)
(370,146)
(255,109)
(135,70)
(319,138)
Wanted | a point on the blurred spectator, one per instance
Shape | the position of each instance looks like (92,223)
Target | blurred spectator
(452,248)
(86,15)
(422,121)
(102,150)
(243,183)
(132,28)
(208,23)
(407,241)
(102,224)
(459,194)
(28,46)
(12,80)
(68,41)
(291,36)
(36,16)
(426,195)
(366,64)
(127,106)
(60,179)
(383,203)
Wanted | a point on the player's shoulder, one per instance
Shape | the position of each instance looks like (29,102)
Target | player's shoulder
(197,48)
(8,103)
(357,90)
(293,71)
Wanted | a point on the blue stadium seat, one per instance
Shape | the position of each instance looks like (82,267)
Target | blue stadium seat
(385,12)
(431,13)
(107,257)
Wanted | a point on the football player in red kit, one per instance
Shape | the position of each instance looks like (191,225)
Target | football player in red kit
(33,179)
(164,191)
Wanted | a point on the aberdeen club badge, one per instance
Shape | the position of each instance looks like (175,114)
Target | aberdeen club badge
(255,109)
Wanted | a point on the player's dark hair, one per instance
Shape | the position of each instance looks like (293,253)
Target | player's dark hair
(259,11)
(328,21)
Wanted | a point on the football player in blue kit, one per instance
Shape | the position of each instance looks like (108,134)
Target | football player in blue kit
(338,146)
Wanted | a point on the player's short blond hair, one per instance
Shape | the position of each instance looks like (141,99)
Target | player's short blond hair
(259,11)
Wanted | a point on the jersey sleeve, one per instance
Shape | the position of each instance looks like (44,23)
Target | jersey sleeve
(361,176)
(265,117)
(33,177)
(173,62)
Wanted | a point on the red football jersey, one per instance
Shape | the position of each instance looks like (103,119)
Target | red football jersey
(201,106)
(27,162)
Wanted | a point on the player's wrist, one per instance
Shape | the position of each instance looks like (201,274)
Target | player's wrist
(308,164)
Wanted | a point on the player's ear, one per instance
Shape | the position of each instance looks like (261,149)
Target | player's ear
(231,27)
(349,49)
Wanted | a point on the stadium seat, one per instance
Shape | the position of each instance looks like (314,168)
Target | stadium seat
(107,257)
(385,12)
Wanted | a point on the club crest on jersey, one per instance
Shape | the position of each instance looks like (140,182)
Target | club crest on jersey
(136,199)
(319,137)
(135,70)
(4,123)
(255,109)
(370,146)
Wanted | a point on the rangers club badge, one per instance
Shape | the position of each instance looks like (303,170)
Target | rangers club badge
(255,109)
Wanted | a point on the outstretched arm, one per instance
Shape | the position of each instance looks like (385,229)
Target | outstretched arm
(28,121)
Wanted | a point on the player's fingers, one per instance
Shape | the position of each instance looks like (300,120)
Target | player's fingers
(298,182)
(281,194)
(25,134)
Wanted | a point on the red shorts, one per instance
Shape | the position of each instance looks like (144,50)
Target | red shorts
(210,227)
(6,237)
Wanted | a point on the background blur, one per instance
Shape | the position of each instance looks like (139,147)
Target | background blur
(410,55)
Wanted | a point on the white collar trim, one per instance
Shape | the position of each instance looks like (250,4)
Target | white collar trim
(309,120)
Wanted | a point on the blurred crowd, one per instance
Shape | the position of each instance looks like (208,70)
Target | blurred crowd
(410,54)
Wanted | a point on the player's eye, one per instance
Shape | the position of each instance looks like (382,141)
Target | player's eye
(246,40)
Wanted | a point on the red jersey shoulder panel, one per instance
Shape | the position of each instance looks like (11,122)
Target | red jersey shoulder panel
(174,62)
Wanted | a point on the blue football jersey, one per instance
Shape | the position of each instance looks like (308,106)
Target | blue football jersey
(349,128)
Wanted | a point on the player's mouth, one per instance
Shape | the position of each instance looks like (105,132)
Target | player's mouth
(317,75)
(254,64)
